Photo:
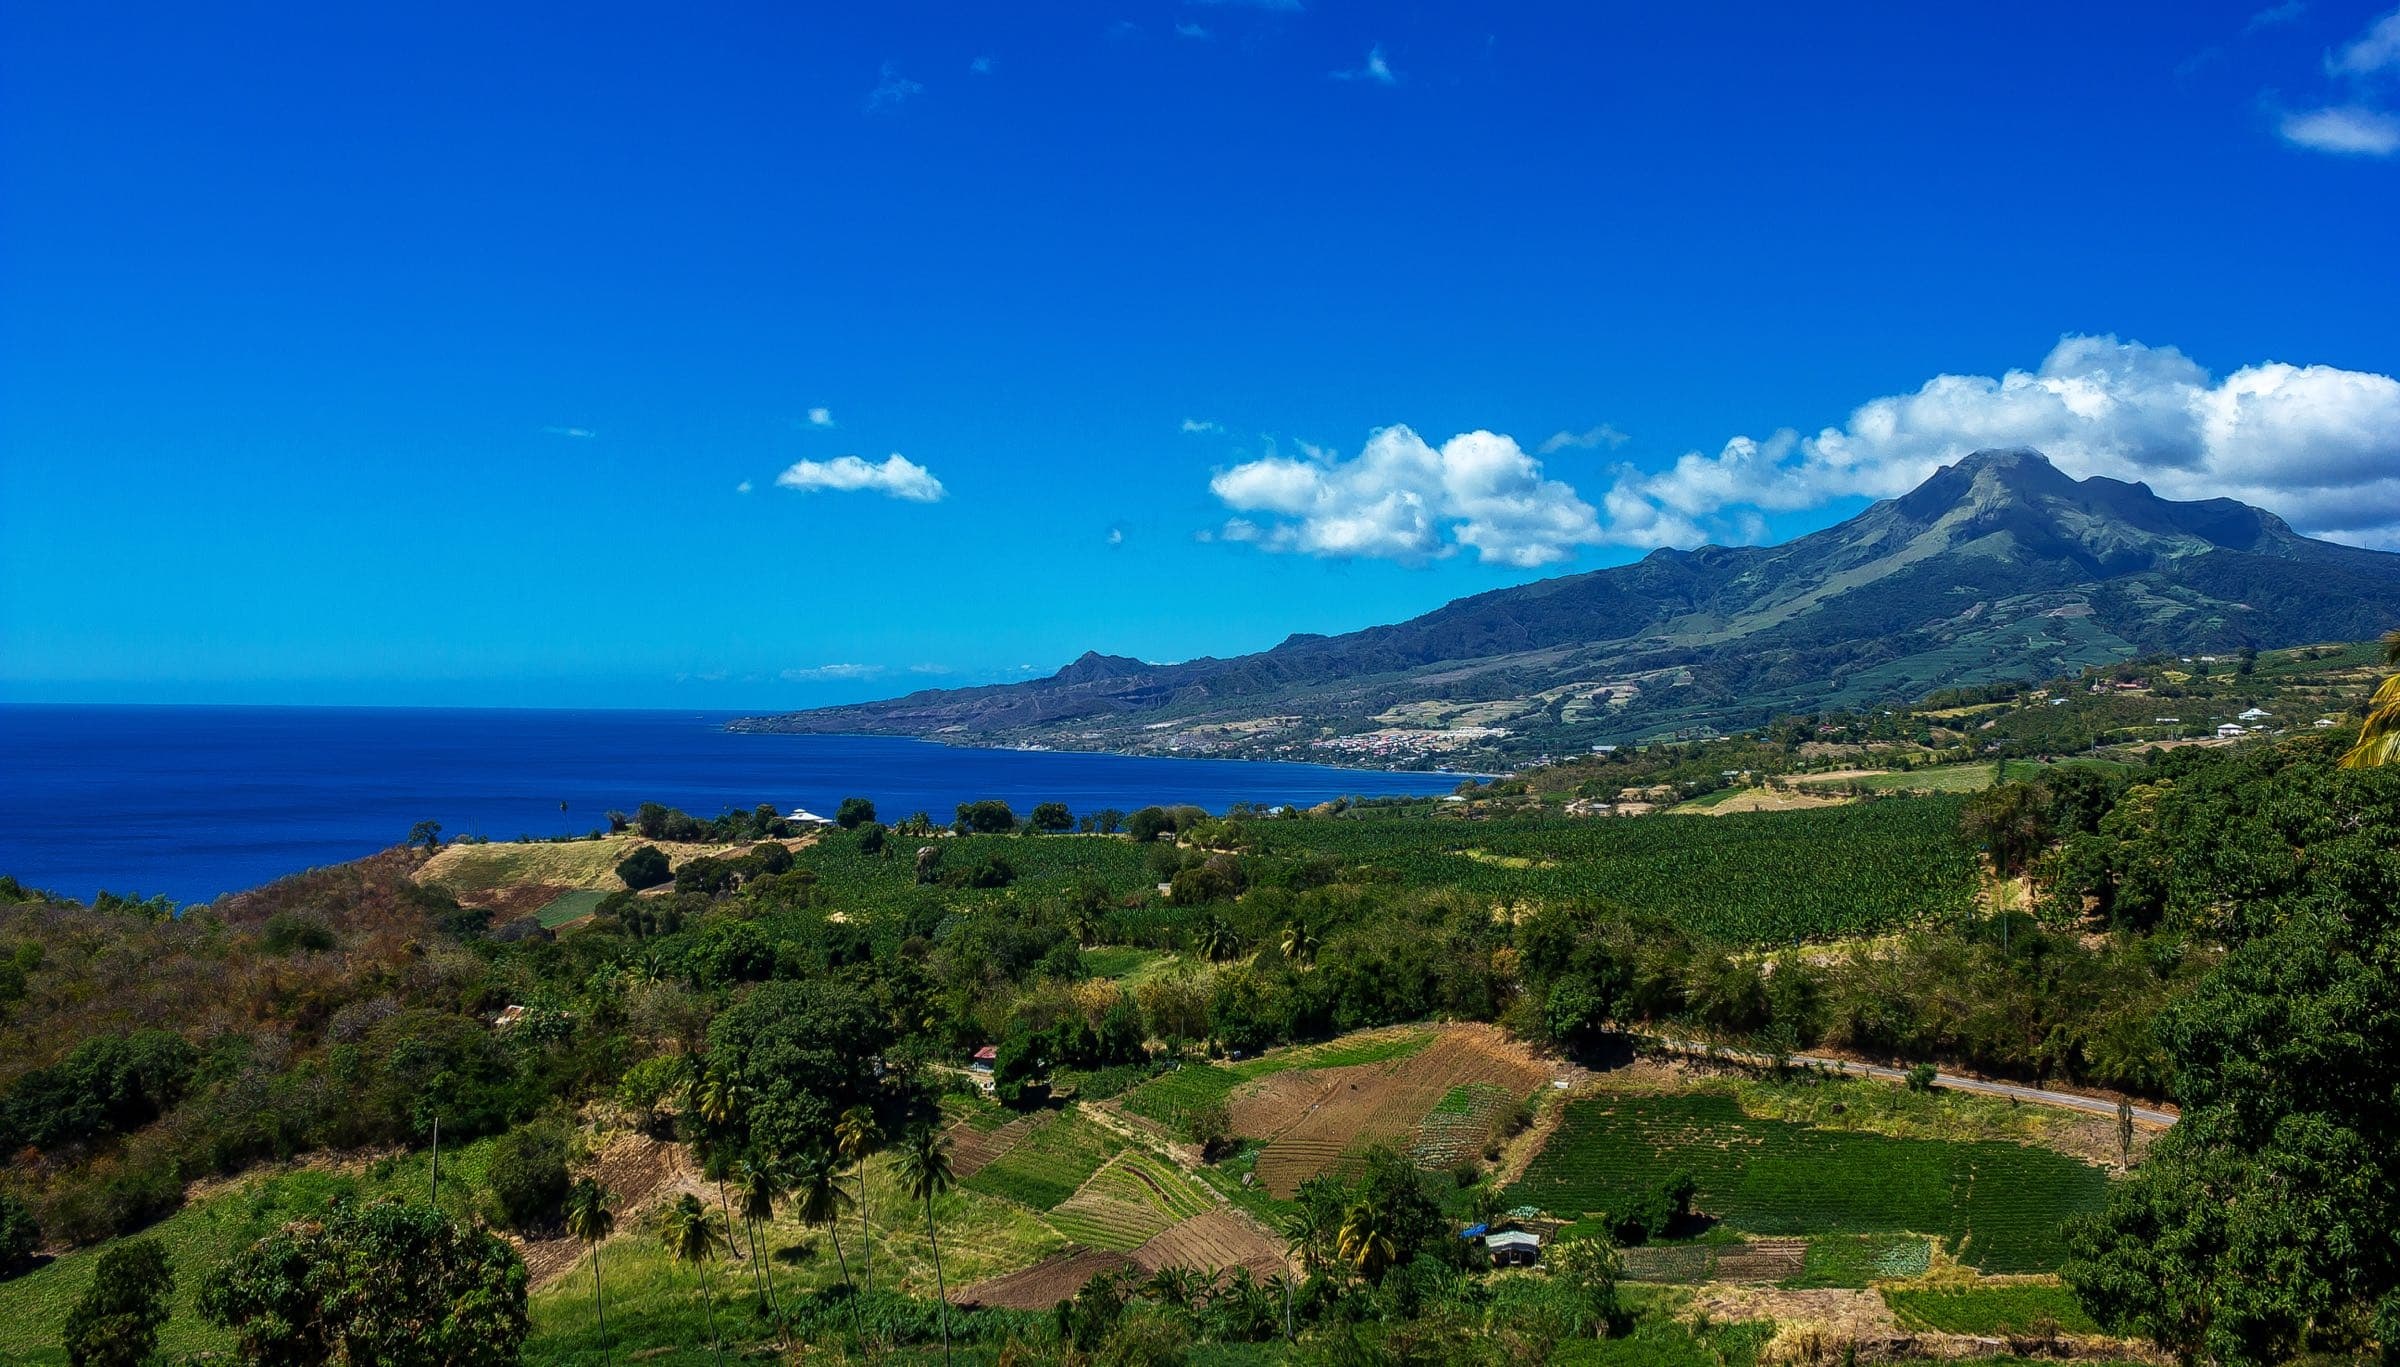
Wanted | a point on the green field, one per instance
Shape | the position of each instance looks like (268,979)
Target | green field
(2009,1308)
(1998,1204)
(1874,865)
(570,906)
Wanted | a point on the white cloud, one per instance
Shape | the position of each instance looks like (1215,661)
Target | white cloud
(1376,69)
(2375,50)
(1116,536)
(897,477)
(981,66)
(891,89)
(929,669)
(1196,425)
(2351,130)
(831,673)
(1589,439)
(1402,499)
(2316,444)
(579,433)
(742,488)
(1188,30)
(2273,15)
(1285,6)
(820,417)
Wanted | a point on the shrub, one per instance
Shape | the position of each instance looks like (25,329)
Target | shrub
(290,930)
(20,1235)
(1920,1078)
(644,868)
(854,813)
(988,817)
(116,1322)
(771,858)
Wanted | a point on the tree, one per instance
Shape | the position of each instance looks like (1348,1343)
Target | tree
(761,1186)
(692,1235)
(1590,1268)
(987,817)
(2379,735)
(925,1171)
(590,1220)
(390,1283)
(646,867)
(853,813)
(2011,821)
(1219,941)
(1300,945)
(116,1322)
(858,1136)
(1365,1242)
(1052,817)
(426,833)
(1107,821)
(805,1051)
(1208,1124)
(817,1191)
(20,1235)
(2260,1225)
(1149,824)
(528,1175)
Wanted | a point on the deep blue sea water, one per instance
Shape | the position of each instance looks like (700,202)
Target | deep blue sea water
(197,801)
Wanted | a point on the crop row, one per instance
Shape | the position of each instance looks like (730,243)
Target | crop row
(2000,1205)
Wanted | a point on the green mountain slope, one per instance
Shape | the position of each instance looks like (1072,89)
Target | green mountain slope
(1997,567)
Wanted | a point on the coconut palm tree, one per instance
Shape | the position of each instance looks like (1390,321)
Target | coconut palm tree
(590,1219)
(2379,735)
(761,1186)
(817,1190)
(858,1136)
(1219,941)
(1307,1235)
(1365,1241)
(693,1236)
(925,1170)
(1300,945)
(720,1101)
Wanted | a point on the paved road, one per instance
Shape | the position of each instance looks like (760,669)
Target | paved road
(2010,1090)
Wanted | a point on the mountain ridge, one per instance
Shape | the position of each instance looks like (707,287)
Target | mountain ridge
(1997,566)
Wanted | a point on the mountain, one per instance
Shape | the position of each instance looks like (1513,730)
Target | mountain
(1998,567)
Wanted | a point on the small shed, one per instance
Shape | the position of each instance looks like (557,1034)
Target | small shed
(2229,730)
(984,1059)
(2256,714)
(1514,1248)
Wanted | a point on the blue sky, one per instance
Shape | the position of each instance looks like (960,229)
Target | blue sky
(422,354)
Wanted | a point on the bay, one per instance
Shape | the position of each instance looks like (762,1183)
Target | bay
(193,802)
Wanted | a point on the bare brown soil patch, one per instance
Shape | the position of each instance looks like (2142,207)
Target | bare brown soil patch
(642,1172)
(1218,1241)
(972,1150)
(1312,1118)
(1044,1284)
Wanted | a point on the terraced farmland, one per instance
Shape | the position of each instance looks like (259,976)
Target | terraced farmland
(1049,1163)
(1132,1199)
(1999,1205)
(1165,1098)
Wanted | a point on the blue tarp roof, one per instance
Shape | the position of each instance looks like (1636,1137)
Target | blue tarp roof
(1473,1231)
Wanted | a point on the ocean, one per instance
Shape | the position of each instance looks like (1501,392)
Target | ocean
(197,801)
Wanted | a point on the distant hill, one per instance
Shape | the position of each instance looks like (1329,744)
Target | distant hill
(1998,567)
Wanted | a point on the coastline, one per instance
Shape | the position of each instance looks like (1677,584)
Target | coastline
(1460,774)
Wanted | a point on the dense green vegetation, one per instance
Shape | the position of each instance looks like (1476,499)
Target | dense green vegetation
(2000,1205)
(2211,925)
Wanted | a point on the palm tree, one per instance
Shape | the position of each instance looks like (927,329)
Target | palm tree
(1300,944)
(817,1189)
(2379,735)
(1083,925)
(858,1136)
(761,1185)
(925,1170)
(1219,941)
(719,1101)
(693,1236)
(1365,1241)
(1307,1234)
(590,1219)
